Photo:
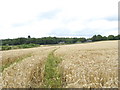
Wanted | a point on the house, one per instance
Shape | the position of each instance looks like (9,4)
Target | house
(62,42)
(89,41)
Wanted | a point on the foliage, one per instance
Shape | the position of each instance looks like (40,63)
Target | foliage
(7,47)
(101,38)
(28,45)
(51,40)
(29,36)
(111,37)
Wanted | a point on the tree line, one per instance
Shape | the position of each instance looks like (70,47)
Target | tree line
(56,40)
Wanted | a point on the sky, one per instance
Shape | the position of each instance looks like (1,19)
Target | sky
(59,18)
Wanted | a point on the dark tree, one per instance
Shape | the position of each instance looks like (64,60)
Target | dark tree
(110,37)
(104,38)
(82,40)
(29,36)
(94,38)
(98,38)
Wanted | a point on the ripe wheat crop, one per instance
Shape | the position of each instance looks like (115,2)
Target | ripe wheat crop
(27,73)
(92,65)
(89,65)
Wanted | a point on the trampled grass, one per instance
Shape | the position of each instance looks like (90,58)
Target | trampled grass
(53,77)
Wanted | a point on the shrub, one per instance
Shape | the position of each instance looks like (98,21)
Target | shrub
(6,47)
(28,45)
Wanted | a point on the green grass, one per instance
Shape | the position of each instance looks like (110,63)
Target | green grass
(22,46)
(16,61)
(52,75)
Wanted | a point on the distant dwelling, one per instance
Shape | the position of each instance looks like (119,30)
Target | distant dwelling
(89,41)
(62,42)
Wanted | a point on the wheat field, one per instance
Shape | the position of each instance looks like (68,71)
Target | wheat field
(92,65)
(88,65)
(28,72)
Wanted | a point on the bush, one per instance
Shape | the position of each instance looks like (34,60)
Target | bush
(6,47)
(28,45)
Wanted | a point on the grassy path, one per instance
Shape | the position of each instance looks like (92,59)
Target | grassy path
(52,75)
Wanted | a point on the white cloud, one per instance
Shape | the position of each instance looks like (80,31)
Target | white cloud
(20,18)
(103,24)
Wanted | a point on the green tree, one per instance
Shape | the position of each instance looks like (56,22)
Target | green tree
(111,37)
(94,38)
(82,39)
(99,38)
(104,38)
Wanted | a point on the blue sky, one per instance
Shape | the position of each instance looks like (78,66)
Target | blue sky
(62,18)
